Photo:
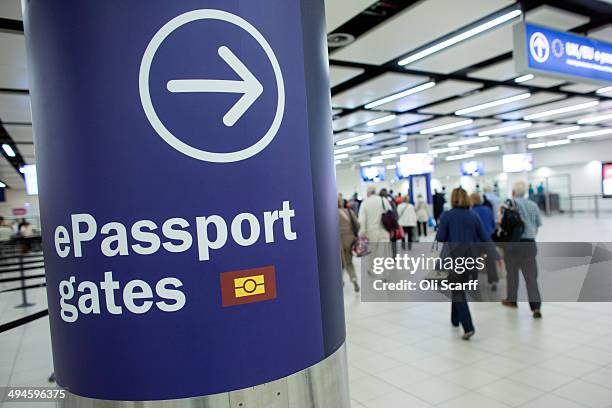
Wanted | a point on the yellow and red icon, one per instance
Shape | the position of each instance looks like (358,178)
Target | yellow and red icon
(248,286)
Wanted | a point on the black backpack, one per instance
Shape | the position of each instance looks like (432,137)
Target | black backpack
(511,226)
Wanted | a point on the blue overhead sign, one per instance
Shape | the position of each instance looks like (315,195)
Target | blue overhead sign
(188,199)
(541,50)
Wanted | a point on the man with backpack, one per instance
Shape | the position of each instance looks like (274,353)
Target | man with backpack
(520,223)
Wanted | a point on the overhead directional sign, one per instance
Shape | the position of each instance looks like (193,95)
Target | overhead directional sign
(190,217)
(543,51)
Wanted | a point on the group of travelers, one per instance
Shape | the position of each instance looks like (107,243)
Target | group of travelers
(14,229)
(473,224)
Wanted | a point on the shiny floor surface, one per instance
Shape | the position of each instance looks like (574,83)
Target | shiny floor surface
(409,355)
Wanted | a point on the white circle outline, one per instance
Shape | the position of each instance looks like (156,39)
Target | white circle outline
(532,40)
(147,104)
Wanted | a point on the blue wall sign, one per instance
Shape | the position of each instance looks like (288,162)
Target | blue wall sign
(187,194)
(568,56)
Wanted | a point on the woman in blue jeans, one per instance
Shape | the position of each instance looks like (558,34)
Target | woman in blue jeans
(464,236)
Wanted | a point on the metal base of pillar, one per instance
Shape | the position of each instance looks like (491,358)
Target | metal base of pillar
(324,385)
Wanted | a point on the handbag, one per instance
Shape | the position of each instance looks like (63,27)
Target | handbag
(361,246)
(388,218)
(397,234)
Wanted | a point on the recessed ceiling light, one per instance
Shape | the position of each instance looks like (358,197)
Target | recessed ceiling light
(492,104)
(595,119)
(524,78)
(460,37)
(446,127)
(391,167)
(370,162)
(591,134)
(483,150)
(341,156)
(468,141)
(443,150)
(459,156)
(338,162)
(394,150)
(558,142)
(553,132)
(505,129)
(400,95)
(346,149)
(382,120)
(549,144)
(604,90)
(354,139)
(8,150)
(536,145)
(565,109)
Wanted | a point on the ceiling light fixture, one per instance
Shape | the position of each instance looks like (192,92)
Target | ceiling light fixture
(8,150)
(391,167)
(370,162)
(483,150)
(492,104)
(505,129)
(443,150)
(446,127)
(380,121)
(565,109)
(459,157)
(395,150)
(2,184)
(595,119)
(460,37)
(604,90)
(590,134)
(341,156)
(552,132)
(468,141)
(354,139)
(400,95)
(346,149)
(549,144)
(524,78)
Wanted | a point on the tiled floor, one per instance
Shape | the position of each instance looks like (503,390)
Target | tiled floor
(408,354)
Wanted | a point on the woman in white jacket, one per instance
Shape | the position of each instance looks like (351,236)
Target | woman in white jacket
(407,219)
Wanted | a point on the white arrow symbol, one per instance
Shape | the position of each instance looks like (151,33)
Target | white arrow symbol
(540,46)
(249,86)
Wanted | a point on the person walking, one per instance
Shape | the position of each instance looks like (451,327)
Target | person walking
(488,223)
(491,199)
(438,205)
(422,213)
(407,219)
(371,211)
(349,228)
(522,255)
(459,229)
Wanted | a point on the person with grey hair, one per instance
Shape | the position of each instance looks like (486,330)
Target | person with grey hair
(522,255)
(371,211)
